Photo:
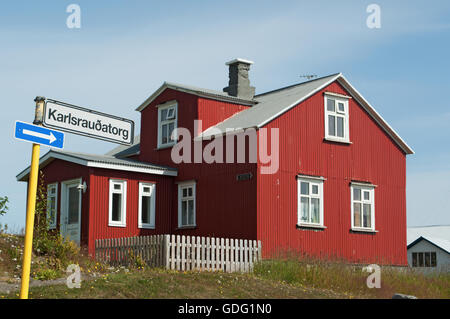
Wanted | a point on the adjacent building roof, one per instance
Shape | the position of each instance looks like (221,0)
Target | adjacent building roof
(216,95)
(123,151)
(100,161)
(438,242)
(438,235)
(274,103)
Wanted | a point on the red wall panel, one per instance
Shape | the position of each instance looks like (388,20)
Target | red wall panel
(371,157)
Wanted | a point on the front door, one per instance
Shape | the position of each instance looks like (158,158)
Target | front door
(71,210)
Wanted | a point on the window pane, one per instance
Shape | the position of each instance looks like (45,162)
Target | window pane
(357,214)
(356,193)
(163,115)
(340,126)
(74,199)
(420,259)
(304,209)
(427,259)
(164,129)
(183,213)
(341,107)
(315,210)
(433,260)
(315,189)
(171,128)
(190,191)
(184,192)
(117,207)
(304,188)
(414,259)
(146,189)
(331,105)
(191,212)
(117,187)
(366,195)
(331,125)
(366,213)
(145,206)
(52,190)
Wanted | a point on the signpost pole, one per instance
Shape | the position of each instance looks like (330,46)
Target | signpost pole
(31,205)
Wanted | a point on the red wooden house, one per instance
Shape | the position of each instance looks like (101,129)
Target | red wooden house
(336,186)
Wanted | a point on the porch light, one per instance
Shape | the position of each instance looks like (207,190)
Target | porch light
(82,187)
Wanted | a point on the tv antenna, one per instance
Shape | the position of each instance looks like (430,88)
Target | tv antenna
(308,76)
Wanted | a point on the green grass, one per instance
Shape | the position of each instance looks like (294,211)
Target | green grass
(158,283)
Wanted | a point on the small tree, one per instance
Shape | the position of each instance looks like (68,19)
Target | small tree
(4,205)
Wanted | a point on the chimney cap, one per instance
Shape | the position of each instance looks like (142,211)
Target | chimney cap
(238,60)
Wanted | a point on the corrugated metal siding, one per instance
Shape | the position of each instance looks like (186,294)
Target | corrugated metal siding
(224,206)
(212,112)
(371,157)
(99,194)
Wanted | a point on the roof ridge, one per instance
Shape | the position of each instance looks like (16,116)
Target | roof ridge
(297,84)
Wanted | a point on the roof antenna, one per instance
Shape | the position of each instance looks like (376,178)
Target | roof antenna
(308,76)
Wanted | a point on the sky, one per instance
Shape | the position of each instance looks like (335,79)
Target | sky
(124,50)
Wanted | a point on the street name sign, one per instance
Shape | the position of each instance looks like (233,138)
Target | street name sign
(86,122)
(39,135)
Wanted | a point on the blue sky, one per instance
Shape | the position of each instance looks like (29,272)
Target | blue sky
(124,50)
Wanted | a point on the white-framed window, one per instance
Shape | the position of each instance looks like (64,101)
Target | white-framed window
(147,199)
(186,204)
(336,118)
(117,203)
(52,204)
(310,201)
(167,124)
(363,207)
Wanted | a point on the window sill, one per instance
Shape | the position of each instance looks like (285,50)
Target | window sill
(186,227)
(337,140)
(163,147)
(117,225)
(146,227)
(311,226)
(363,230)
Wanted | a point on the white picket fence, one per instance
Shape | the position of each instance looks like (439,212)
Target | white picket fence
(181,252)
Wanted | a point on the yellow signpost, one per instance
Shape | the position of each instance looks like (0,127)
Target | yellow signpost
(31,204)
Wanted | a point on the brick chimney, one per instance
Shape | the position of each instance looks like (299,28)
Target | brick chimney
(239,83)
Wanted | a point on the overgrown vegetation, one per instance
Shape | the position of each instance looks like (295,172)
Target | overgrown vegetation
(4,205)
(351,279)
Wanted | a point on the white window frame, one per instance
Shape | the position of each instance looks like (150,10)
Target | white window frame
(371,201)
(312,181)
(152,195)
(167,106)
(345,115)
(182,186)
(52,225)
(123,191)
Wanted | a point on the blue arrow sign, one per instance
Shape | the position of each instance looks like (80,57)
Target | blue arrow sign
(39,135)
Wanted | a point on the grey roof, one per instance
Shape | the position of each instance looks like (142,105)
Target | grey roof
(100,161)
(218,95)
(122,151)
(437,231)
(274,103)
(438,242)
(270,105)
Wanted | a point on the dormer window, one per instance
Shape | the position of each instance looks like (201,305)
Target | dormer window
(336,118)
(167,123)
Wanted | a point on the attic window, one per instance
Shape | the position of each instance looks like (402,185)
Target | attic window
(167,123)
(336,118)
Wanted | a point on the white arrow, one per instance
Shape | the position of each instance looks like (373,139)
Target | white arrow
(50,137)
